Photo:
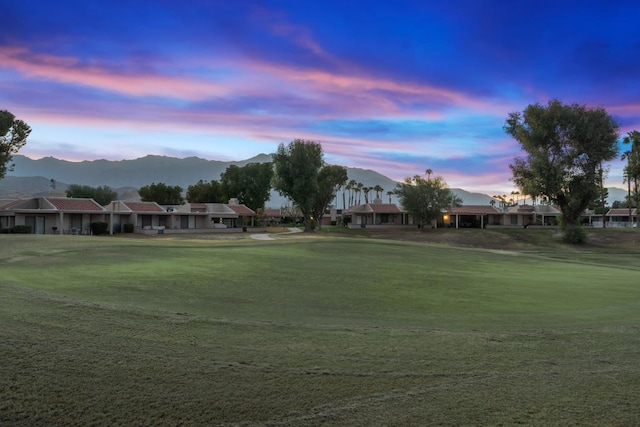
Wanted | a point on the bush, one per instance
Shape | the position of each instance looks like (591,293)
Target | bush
(575,235)
(21,229)
(98,228)
(128,228)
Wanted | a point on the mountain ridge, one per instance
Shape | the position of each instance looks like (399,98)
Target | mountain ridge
(33,178)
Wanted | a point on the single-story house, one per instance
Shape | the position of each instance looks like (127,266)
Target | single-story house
(375,214)
(52,215)
(474,216)
(621,217)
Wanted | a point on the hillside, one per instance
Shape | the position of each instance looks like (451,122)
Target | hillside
(32,178)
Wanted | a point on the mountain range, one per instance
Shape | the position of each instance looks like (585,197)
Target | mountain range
(37,178)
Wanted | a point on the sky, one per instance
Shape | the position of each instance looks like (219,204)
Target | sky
(393,86)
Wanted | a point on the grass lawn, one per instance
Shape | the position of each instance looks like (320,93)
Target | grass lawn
(316,330)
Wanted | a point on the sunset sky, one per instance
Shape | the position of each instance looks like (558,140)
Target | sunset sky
(394,86)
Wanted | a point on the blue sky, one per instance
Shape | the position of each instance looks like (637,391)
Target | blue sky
(393,86)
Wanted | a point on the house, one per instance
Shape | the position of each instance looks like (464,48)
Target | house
(375,214)
(151,218)
(620,217)
(141,215)
(526,215)
(52,215)
(472,216)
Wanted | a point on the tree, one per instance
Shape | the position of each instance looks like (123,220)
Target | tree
(632,170)
(13,136)
(296,174)
(366,191)
(205,192)
(161,194)
(351,185)
(425,199)
(378,189)
(250,184)
(390,193)
(565,145)
(330,179)
(102,195)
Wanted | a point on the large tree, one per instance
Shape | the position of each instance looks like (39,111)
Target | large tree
(162,194)
(296,174)
(425,199)
(250,184)
(564,146)
(102,195)
(632,170)
(13,136)
(205,192)
(330,179)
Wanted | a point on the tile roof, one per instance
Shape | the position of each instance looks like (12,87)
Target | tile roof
(621,212)
(144,206)
(473,210)
(72,204)
(6,204)
(272,212)
(242,210)
(384,208)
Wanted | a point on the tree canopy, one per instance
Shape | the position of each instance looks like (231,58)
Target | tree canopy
(13,136)
(102,195)
(565,146)
(296,174)
(632,170)
(162,194)
(250,184)
(330,179)
(425,199)
(205,192)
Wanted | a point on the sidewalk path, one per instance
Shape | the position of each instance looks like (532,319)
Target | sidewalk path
(267,236)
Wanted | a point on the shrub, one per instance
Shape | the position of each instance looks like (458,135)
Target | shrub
(21,229)
(98,228)
(128,228)
(575,235)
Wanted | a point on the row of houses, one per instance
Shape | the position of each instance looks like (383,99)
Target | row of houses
(61,215)
(378,214)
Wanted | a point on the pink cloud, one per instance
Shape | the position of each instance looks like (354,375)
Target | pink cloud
(71,71)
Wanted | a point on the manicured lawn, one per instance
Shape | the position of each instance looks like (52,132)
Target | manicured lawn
(315,330)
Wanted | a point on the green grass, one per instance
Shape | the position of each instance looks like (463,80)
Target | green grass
(315,330)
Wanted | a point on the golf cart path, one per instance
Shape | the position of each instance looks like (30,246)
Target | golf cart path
(267,236)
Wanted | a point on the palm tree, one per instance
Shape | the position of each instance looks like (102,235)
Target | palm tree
(389,193)
(378,189)
(428,172)
(517,194)
(632,170)
(359,187)
(351,185)
(366,194)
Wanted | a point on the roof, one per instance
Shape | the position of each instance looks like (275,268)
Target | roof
(384,208)
(6,204)
(144,206)
(272,212)
(242,210)
(379,208)
(621,212)
(72,204)
(472,210)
